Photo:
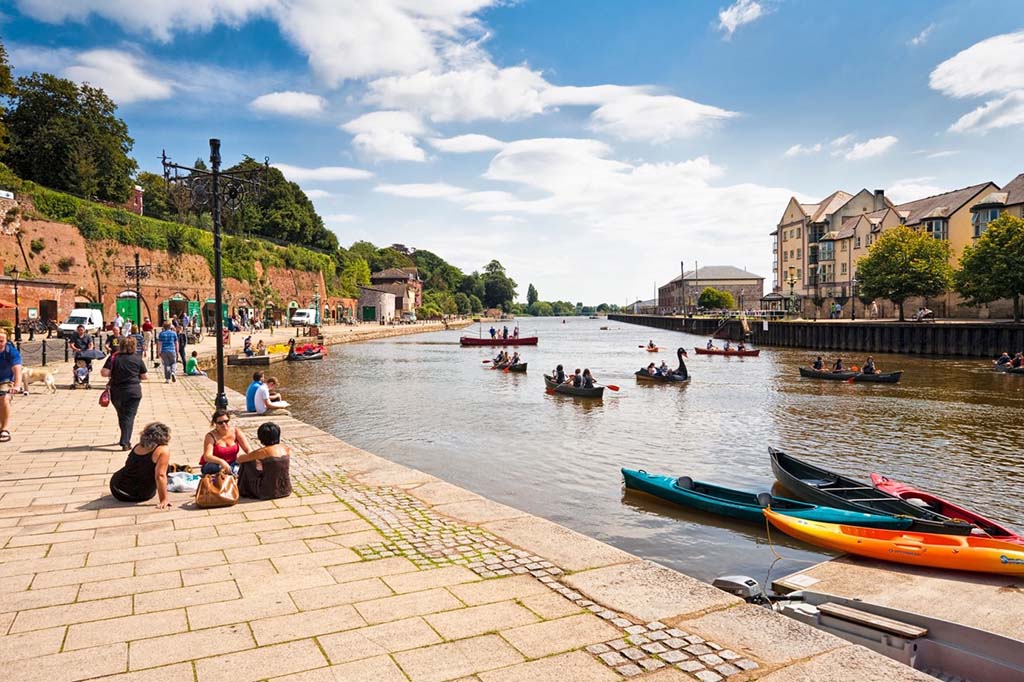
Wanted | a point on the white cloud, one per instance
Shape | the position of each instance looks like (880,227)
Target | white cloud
(431,190)
(1004,112)
(802,150)
(317,193)
(922,37)
(124,76)
(941,154)
(466,144)
(910,189)
(387,135)
(339,219)
(656,118)
(289,103)
(739,13)
(322,173)
(841,141)
(592,95)
(507,219)
(873,147)
(993,67)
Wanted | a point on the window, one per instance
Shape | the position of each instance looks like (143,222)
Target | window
(799,253)
(785,255)
(798,233)
(937,228)
(842,268)
(856,242)
(981,219)
(826,250)
(842,246)
(800,274)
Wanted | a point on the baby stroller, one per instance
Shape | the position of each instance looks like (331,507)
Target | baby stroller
(81,374)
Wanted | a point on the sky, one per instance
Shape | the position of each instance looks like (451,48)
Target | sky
(590,146)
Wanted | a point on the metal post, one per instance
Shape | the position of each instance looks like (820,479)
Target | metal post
(138,294)
(44,352)
(221,400)
(17,309)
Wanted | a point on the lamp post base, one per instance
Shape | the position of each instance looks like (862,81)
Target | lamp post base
(221,401)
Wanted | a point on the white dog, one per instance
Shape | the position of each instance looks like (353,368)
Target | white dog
(33,374)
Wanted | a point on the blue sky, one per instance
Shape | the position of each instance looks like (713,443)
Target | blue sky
(589,146)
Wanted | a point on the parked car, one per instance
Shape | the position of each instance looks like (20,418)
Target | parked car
(303,317)
(90,318)
(408,317)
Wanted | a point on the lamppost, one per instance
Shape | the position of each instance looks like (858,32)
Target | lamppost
(17,311)
(853,301)
(791,281)
(137,273)
(202,189)
(316,305)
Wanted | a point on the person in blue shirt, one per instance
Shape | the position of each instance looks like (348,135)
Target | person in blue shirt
(250,393)
(168,340)
(10,381)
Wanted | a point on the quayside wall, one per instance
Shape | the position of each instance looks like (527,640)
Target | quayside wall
(967,339)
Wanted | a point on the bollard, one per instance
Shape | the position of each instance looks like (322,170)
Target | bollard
(67,347)
(44,352)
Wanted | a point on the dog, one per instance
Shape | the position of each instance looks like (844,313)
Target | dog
(38,374)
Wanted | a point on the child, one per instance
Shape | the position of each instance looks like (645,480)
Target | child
(261,348)
(81,372)
(192,366)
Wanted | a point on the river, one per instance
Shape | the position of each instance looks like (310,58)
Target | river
(952,426)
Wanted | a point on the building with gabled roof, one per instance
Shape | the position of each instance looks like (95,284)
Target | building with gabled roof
(1010,199)
(682,292)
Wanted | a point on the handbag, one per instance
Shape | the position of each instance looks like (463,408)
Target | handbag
(105,397)
(216,490)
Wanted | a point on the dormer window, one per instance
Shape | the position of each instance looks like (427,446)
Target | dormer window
(937,228)
(981,218)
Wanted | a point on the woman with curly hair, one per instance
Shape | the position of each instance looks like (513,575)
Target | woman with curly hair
(144,473)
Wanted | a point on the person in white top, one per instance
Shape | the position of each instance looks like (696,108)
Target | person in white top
(267,398)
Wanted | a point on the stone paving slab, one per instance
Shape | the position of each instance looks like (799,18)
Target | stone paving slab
(370,571)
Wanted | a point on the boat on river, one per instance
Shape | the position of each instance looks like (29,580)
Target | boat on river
(824,487)
(651,349)
(856,377)
(1015,370)
(749,353)
(302,357)
(912,495)
(498,341)
(933,550)
(569,389)
(518,367)
(746,506)
(678,376)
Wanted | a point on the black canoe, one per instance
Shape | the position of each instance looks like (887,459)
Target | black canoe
(829,489)
(300,357)
(518,367)
(568,389)
(1015,370)
(858,377)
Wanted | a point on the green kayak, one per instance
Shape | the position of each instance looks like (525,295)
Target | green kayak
(747,506)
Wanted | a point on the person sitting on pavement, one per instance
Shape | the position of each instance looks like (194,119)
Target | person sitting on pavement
(144,473)
(263,473)
(192,366)
(247,347)
(869,366)
(10,381)
(1003,359)
(261,348)
(222,444)
(818,364)
(250,392)
(588,379)
(837,366)
(267,398)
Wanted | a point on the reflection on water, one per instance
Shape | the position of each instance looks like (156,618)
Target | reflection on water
(951,427)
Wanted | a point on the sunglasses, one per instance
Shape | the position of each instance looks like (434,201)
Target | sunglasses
(222,421)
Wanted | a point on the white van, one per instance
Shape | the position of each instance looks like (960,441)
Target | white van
(303,316)
(90,318)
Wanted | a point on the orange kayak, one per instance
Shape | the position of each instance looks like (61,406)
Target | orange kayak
(955,552)
(652,350)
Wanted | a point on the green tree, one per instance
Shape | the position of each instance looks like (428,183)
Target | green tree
(499,288)
(67,137)
(716,299)
(475,304)
(463,304)
(562,308)
(531,295)
(993,267)
(602,308)
(156,200)
(6,90)
(541,309)
(903,263)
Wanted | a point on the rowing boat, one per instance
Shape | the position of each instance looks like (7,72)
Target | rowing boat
(497,341)
(746,506)
(856,377)
(678,376)
(518,367)
(302,357)
(1015,370)
(909,493)
(824,487)
(955,552)
(568,389)
(732,352)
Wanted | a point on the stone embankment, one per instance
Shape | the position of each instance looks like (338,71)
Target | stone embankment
(370,571)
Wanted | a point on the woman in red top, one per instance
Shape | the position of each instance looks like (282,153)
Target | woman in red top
(222,445)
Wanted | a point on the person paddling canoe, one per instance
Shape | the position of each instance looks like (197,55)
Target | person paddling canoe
(837,366)
(650,344)
(588,379)
(869,366)
(818,364)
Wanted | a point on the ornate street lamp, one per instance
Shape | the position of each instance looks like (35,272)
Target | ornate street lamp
(17,311)
(202,189)
(137,273)
(791,281)
(853,299)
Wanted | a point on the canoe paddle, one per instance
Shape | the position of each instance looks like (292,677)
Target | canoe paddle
(610,387)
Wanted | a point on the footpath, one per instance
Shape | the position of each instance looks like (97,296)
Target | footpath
(370,571)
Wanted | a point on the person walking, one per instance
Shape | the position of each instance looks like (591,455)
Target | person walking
(182,343)
(10,381)
(168,340)
(126,370)
(147,334)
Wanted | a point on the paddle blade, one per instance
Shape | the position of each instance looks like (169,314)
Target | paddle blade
(611,387)
(549,391)
(505,370)
(485,361)
(849,381)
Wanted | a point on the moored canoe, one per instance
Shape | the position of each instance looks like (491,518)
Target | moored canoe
(746,506)
(955,552)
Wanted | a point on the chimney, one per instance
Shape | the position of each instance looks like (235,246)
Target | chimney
(879,199)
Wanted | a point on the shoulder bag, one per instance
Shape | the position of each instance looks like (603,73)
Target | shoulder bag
(216,490)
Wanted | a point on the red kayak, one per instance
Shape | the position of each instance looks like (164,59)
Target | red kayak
(510,341)
(720,351)
(953,511)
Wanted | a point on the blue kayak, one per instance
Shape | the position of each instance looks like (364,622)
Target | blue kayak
(746,506)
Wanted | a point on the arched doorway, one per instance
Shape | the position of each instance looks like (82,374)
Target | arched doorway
(292,307)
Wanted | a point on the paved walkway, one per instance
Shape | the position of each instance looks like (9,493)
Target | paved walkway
(371,571)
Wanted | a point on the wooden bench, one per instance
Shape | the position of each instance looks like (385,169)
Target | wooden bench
(852,615)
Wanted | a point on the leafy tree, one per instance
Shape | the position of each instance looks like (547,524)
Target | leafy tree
(562,308)
(993,267)
(602,308)
(499,288)
(156,200)
(67,137)
(903,263)
(475,304)
(6,90)
(463,304)
(541,309)
(531,295)
(716,299)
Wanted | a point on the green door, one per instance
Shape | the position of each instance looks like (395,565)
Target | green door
(369,313)
(193,310)
(128,309)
